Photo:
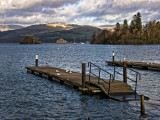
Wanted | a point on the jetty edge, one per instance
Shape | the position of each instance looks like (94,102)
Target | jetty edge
(138,65)
(113,89)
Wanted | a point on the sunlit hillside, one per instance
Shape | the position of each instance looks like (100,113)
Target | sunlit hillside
(63,25)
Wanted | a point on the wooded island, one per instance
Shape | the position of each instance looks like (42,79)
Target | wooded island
(30,39)
(135,33)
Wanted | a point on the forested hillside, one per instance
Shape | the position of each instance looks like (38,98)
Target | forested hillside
(135,33)
(49,33)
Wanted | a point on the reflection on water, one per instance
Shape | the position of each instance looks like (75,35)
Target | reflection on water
(26,96)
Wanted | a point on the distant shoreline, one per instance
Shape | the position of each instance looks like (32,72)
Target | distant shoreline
(85,43)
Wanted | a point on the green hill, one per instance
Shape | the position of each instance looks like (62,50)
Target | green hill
(49,33)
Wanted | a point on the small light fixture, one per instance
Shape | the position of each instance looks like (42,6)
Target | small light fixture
(112,53)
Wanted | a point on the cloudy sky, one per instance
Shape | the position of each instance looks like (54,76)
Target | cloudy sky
(83,12)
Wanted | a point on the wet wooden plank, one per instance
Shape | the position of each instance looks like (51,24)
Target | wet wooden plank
(138,65)
(75,79)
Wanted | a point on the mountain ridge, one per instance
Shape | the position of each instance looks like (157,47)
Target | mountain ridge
(9,27)
(50,32)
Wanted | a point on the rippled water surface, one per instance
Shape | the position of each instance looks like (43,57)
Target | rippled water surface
(25,96)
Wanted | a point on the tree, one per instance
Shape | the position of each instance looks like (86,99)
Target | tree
(118,27)
(30,39)
(125,27)
(133,34)
(138,21)
(132,26)
(125,24)
(158,25)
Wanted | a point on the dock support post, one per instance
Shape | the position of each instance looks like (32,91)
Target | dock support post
(49,77)
(28,71)
(124,72)
(61,82)
(142,106)
(114,73)
(32,72)
(36,62)
(83,74)
(40,74)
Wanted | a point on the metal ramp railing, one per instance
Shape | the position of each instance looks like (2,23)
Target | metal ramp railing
(137,76)
(111,77)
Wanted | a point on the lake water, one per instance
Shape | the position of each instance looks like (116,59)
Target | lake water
(25,96)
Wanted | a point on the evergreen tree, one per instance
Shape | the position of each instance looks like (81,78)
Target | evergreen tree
(138,22)
(132,26)
(158,25)
(133,34)
(118,27)
(125,24)
(125,27)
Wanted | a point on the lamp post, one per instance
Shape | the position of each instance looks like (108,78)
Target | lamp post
(113,56)
(113,63)
(36,62)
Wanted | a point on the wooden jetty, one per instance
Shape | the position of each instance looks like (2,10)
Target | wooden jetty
(139,65)
(113,89)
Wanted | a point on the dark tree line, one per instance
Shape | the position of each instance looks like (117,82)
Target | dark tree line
(134,33)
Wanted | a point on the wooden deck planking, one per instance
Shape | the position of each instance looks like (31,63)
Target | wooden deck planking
(139,65)
(116,88)
(76,78)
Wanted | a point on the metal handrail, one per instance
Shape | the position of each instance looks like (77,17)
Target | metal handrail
(136,73)
(138,76)
(99,75)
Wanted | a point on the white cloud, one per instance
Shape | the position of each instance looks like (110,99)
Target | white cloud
(76,11)
(15,4)
(111,17)
(25,4)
